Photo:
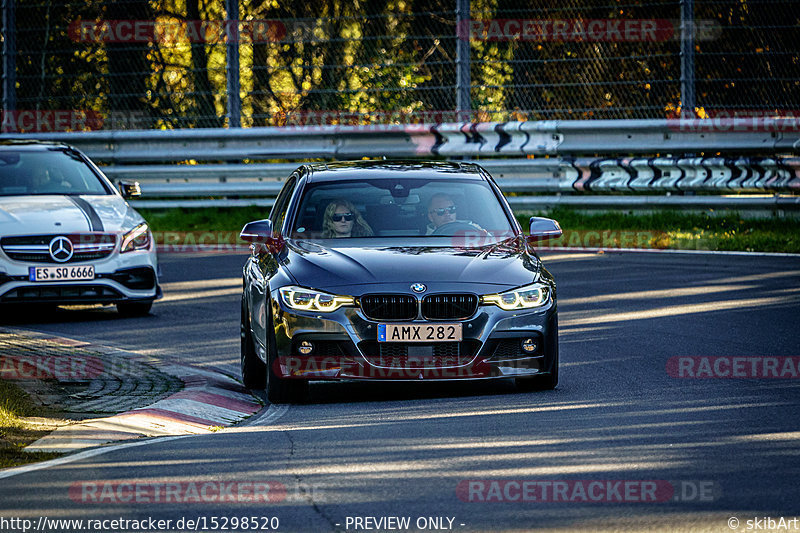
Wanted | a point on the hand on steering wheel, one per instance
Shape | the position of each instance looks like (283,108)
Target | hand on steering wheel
(452,228)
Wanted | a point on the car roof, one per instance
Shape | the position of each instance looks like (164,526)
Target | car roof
(31,145)
(391,169)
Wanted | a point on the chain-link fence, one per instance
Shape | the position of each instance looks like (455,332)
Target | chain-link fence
(91,64)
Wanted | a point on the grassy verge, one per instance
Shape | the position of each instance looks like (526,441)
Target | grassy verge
(205,219)
(676,230)
(664,229)
(16,430)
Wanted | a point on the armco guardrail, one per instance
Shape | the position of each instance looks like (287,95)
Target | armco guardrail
(489,139)
(228,169)
(760,203)
(599,174)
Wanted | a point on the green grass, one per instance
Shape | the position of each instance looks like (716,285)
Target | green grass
(13,404)
(15,432)
(662,229)
(205,219)
(677,230)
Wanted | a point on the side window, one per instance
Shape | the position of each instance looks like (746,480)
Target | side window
(281,206)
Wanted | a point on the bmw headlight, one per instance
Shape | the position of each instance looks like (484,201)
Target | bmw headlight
(527,297)
(304,299)
(136,239)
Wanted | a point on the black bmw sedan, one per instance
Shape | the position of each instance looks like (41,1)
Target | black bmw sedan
(383,270)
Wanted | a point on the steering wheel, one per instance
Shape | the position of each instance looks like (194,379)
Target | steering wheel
(451,228)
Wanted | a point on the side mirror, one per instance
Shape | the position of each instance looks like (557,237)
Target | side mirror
(544,228)
(259,232)
(129,189)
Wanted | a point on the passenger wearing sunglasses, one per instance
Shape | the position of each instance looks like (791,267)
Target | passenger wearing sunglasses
(342,219)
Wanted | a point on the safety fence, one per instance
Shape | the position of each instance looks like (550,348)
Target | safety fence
(149,64)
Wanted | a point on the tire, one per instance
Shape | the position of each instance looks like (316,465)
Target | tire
(281,390)
(134,309)
(254,371)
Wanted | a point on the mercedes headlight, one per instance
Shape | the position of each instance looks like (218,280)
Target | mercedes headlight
(304,299)
(527,297)
(136,239)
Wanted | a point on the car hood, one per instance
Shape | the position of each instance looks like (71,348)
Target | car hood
(366,266)
(30,215)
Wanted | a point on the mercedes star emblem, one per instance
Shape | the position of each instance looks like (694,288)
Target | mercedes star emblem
(418,287)
(61,249)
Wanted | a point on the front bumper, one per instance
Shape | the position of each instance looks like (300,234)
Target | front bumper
(127,284)
(345,347)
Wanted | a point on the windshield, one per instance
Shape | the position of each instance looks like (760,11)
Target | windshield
(401,208)
(24,172)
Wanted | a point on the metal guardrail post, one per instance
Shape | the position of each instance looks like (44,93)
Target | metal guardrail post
(688,30)
(9,58)
(463,100)
(232,63)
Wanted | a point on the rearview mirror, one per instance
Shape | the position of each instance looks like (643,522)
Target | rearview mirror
(544,228)
(129,189)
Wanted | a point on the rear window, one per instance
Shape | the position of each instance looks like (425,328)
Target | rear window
(24,172)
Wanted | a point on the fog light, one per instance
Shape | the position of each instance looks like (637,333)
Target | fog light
(529,345)
(305,348)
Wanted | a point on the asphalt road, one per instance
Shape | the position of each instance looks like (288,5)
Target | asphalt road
(619,426)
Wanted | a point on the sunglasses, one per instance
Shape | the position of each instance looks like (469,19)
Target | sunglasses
(338,217)
(442,210)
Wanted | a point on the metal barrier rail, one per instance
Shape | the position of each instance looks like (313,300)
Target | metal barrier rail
(227,177)
(601,174)
(763,136)
(771,204)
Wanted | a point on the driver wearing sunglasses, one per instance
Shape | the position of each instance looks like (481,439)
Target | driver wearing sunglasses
(442,210)
(342,219)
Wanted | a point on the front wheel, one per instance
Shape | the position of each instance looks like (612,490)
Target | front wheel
(254,371)
(280,389)
(283,390)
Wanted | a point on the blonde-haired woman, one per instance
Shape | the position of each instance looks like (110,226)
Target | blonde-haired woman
(342,219)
